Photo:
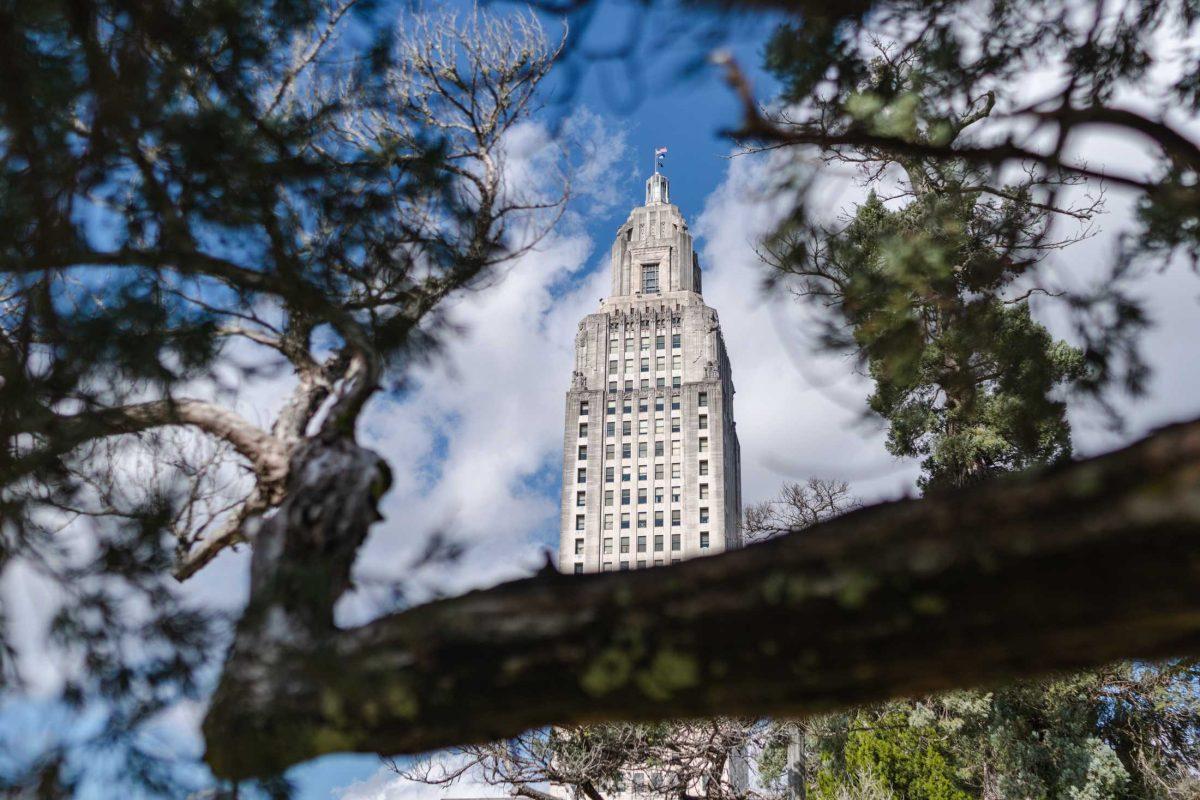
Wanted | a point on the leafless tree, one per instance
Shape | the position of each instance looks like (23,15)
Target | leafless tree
(797,507)
(684,760)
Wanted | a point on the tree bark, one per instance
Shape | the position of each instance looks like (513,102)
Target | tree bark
(1062,569)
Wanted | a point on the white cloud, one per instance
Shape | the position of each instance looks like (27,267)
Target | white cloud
(799,411)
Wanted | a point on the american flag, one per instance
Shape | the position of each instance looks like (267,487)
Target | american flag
(660,152)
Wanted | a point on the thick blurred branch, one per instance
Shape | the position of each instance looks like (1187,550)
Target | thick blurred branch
(1052,570)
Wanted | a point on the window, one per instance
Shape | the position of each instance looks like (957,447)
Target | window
(676,381)
(643,426)
(704,539)
(641,472)
(611,408)
(626,449)
(626,408)
(583,430)
(658,448)
(626,427)
(624,497)
(581,475)
(612,386)
(674,494)
(660,363)
(614,345)
(704,467)
(624,545)
(628,344)
(641,519)
(658,494)
(580,498)
(645,365)
(641,544)
(674,424)
(702,400)
(658,519)
(608,546)
(583,452)
(624,473)
(676,541)
(675,403)
(675,471)
(624,522)
(641,449)
(675,340)
(610,428)
(658,404)
(642,496)
(704,491)
(608,474)
(658,472)
(579,547)
(608,567)
(641,563)
(645,383)
(612,367)
(676,518)
(660,342)
(645,344)
(610,451)
(704,514)
(676,362)
(658,424)
(578,568)
(642,405)
(583,408)
(608,497)
(660,382)
(704,422)
(629,386)
(703,444)
(650,278)
(624,565)
(658,544)
(658,562)
(608,522)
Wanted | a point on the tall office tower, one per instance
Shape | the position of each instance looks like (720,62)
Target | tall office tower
(651,463)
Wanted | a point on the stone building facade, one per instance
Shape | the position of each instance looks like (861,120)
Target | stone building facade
(651,463)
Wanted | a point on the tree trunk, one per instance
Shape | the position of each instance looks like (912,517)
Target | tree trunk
(795,763)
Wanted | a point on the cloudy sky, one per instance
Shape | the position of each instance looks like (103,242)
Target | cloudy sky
(490,413)
(475,440)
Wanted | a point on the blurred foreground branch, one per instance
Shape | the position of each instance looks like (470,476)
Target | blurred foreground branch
(1044,571)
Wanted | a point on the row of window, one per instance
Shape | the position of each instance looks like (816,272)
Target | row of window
(643,449)
(643,519)
(659,541)
(643,405)
(610,472)
(643,496)
(660,342)
(660,365)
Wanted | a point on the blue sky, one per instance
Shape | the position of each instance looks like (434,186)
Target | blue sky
(475,443)
(676,105)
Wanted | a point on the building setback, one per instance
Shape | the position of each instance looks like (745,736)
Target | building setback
(651,463)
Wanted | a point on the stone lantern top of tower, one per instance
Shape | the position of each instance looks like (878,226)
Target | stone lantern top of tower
(657,189)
